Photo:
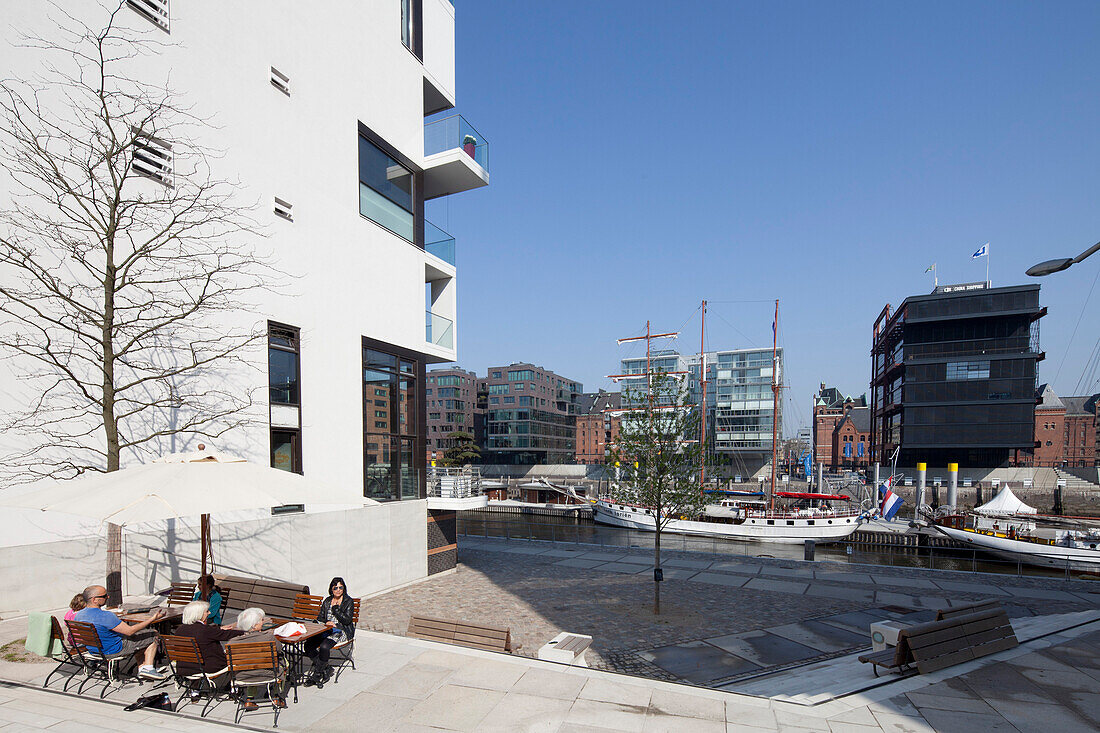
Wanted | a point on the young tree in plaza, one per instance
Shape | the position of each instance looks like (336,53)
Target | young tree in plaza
(658,457)
(122,259)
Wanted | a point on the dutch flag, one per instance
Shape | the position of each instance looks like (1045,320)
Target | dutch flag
(891,502)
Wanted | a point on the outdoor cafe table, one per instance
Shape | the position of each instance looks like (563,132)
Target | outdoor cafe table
(293,646)
(135,614)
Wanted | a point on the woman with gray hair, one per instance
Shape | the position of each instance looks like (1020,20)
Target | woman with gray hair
(208,637)
(251,619)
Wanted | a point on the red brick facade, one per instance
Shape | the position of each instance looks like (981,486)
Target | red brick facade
(597,426)
(834,428)
(1065,431)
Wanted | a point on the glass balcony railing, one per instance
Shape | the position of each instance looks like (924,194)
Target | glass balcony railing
(437,242)
(455,132)
(439,330)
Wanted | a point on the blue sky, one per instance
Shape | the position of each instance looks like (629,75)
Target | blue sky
(645,157)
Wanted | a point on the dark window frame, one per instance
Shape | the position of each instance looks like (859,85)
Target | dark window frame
(295,447)
(417,183)
(296,441)
(418,437)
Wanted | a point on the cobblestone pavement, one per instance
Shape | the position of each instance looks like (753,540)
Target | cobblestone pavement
(539,589)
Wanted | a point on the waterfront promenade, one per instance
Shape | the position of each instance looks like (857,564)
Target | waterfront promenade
(729,654)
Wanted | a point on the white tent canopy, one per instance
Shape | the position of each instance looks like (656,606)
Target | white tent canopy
(1005,503)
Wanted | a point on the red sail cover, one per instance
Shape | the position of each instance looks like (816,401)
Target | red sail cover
(799,495)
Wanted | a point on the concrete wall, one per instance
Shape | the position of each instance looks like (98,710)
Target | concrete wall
(373,548)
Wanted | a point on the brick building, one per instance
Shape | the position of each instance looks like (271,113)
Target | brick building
(850,447)
(598,418)
(1050,425)
(830,410)
(451,397)
(1080,431)
(530,415)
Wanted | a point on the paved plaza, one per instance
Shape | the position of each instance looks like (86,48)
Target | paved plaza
(745,645)
(723,619)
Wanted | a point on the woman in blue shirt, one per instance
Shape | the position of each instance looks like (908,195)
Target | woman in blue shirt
(208,592)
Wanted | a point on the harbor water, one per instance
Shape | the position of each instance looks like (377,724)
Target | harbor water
(865,549)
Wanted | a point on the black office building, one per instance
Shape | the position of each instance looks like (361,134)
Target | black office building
(953,377)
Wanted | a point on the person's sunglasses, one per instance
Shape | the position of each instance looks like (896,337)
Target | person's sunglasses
(102,596)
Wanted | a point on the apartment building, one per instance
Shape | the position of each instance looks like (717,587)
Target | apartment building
(451,399)
(954,376)
(835,446)
(339,122)
(530,415)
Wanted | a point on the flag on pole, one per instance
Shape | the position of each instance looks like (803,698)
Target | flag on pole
(982,251)
(891,502)
(931,268)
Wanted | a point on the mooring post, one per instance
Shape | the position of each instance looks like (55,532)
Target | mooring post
(922,469)
(952,485)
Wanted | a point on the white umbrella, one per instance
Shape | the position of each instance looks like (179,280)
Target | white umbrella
(177,485)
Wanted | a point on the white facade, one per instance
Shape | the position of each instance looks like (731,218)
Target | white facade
(345,65)
(289,91)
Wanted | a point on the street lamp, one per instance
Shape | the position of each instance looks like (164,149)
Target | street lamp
(1052,266)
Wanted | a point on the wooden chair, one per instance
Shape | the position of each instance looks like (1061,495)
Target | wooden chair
(306,607)
(346,648)
(185,650)
(254,664)
(69,656)
(180,594)
(490,638)
(96,664)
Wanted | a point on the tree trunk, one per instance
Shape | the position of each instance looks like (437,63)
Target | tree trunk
(656,567)
(110,423)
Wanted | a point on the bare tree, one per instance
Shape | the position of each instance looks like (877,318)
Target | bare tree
(658,458)
(125,265)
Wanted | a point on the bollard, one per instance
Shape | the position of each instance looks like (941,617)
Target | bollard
(922,469)
(809,556)
(952,485)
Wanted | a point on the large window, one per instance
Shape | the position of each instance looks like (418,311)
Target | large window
(961,370)
(385,190)
(392,431)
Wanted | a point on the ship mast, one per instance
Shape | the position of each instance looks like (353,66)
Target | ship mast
(703,408)
(775,397)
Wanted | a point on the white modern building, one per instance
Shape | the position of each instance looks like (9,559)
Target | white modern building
(337,118)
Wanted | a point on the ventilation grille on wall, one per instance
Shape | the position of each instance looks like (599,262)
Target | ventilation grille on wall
(155,11)
(283,209)
(280,81)
(153,158)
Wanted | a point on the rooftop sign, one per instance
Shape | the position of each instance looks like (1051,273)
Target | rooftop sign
(961,287)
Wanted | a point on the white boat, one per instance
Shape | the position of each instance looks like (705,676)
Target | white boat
(749,522)
(1021,539)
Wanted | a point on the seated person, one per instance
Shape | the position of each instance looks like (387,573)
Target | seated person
(118,636)
(207,591)
(207,637)
(76,604)
(336,611)
(250,623)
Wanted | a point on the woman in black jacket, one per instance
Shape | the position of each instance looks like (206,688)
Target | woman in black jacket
(336,611)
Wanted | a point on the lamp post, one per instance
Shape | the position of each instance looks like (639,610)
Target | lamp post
(1057,265)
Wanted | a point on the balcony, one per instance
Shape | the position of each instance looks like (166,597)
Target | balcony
(455,488)
(438,243)
(439,330)
(456,157)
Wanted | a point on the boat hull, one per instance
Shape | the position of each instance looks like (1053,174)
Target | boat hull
(793,531)
(1077,558)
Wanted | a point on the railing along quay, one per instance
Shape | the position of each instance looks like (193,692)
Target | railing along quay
(579,511)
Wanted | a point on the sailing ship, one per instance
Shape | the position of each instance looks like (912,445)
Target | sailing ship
(1008,528)
(745,515)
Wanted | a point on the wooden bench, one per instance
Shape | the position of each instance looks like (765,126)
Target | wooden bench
(938,644)
(946,613)
(566,648)
(476,636)
(275,597)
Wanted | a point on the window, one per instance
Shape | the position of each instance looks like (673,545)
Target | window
(498,389)
(286,454)
(385,190)
(152,158)
(962,370)
(282,364)
(154,11)
(393,459)
(496,375)
(411,36)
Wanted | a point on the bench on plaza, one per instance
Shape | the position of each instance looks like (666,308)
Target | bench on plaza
(946,613)
(566,648)
(275,597)
(477,636)
(938,644)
